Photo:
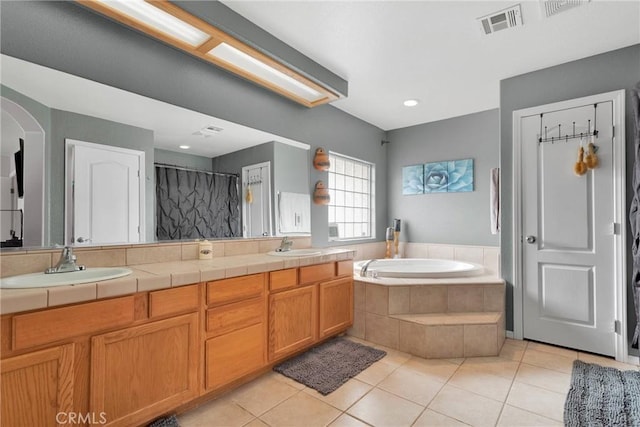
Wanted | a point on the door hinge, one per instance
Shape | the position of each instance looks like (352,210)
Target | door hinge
(617,327)
(613,131)
(138,229)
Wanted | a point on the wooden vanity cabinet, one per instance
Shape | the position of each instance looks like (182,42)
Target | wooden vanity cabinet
(126,360)
(293,320)
(320,305)
(37,386)
(236,336)
(119,361)
(335,300)
(144,371)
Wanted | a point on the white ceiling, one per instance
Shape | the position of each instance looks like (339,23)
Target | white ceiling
(172,125)
(435,51)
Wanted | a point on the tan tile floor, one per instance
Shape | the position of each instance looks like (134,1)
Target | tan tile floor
(525,386)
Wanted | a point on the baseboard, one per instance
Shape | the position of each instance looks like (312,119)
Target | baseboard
(633,360)
(508,334)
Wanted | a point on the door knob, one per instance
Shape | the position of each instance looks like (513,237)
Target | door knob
(531,239)
(83,240)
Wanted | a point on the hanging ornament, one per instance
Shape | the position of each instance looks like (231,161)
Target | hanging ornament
(249,195)
(321,160)
(591,158)
(580,168)
(321,194)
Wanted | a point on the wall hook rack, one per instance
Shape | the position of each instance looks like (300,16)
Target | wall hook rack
(567,137)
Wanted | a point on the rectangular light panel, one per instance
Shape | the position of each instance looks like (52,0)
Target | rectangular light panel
(239,59)
(159,19)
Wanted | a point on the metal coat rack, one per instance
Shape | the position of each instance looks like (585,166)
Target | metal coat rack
(567,137)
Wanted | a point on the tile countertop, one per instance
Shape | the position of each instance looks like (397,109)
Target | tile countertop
(149,277)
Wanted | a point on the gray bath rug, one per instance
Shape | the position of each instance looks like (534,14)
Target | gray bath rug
(170,421)
(601,396)
(326,367)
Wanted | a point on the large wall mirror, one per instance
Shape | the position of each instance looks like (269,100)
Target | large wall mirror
(71,146)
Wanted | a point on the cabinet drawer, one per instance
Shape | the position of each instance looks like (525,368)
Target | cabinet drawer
(231,356)
(42,327)
(235,289)
(228,318)
(283,279)
(344,268)
(173,301)
(317,273)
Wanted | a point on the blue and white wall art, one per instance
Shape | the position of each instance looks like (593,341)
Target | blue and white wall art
(453,176)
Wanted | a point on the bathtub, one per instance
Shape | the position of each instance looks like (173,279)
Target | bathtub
(417,268)
(431,308)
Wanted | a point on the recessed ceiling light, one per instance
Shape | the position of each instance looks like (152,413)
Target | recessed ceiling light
(185,147)
(411,102)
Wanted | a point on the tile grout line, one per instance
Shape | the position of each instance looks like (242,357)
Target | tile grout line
(513,380)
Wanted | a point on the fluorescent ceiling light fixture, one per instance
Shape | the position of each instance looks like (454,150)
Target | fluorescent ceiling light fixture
(411,102)
(159,19)
(167,22)
(185,147)
(263,71)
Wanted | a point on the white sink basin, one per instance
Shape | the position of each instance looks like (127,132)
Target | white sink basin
(296,252)
(41,280)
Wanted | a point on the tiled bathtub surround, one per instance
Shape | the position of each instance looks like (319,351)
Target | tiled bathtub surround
(432,321)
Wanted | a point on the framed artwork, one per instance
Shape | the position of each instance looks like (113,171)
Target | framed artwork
(452,176)
(412,177)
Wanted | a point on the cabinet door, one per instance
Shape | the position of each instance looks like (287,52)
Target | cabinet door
(141,372)
(336,306)
(233,355)
(293,320)
(36,387)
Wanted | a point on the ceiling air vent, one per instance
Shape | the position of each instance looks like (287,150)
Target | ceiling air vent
(507,18)
(208,131)
(553,7)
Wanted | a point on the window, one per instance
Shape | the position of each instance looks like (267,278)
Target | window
(351,187)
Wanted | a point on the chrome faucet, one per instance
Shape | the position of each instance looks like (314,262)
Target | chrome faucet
(67,263)
(365,267)
(285,245)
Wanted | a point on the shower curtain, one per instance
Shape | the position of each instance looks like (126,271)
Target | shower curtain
(634,212)
(195,205)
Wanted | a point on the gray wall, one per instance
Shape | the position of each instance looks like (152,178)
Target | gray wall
(454,218)
(234,162)
(183,159)
(90,129)
(42,114)
(66,37)
(291,170)
(619,69)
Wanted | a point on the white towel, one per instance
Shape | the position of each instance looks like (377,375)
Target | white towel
(294,213)
(494,200)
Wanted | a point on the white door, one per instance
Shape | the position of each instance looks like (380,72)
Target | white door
(256,209)
(569,232)
(105,196)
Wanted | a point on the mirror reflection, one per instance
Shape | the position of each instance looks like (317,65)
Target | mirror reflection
(95,155)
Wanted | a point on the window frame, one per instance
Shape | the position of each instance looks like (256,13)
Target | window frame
(332,186)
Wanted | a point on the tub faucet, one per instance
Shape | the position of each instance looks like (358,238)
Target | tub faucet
(285,245)
(67,263)
(365,267)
